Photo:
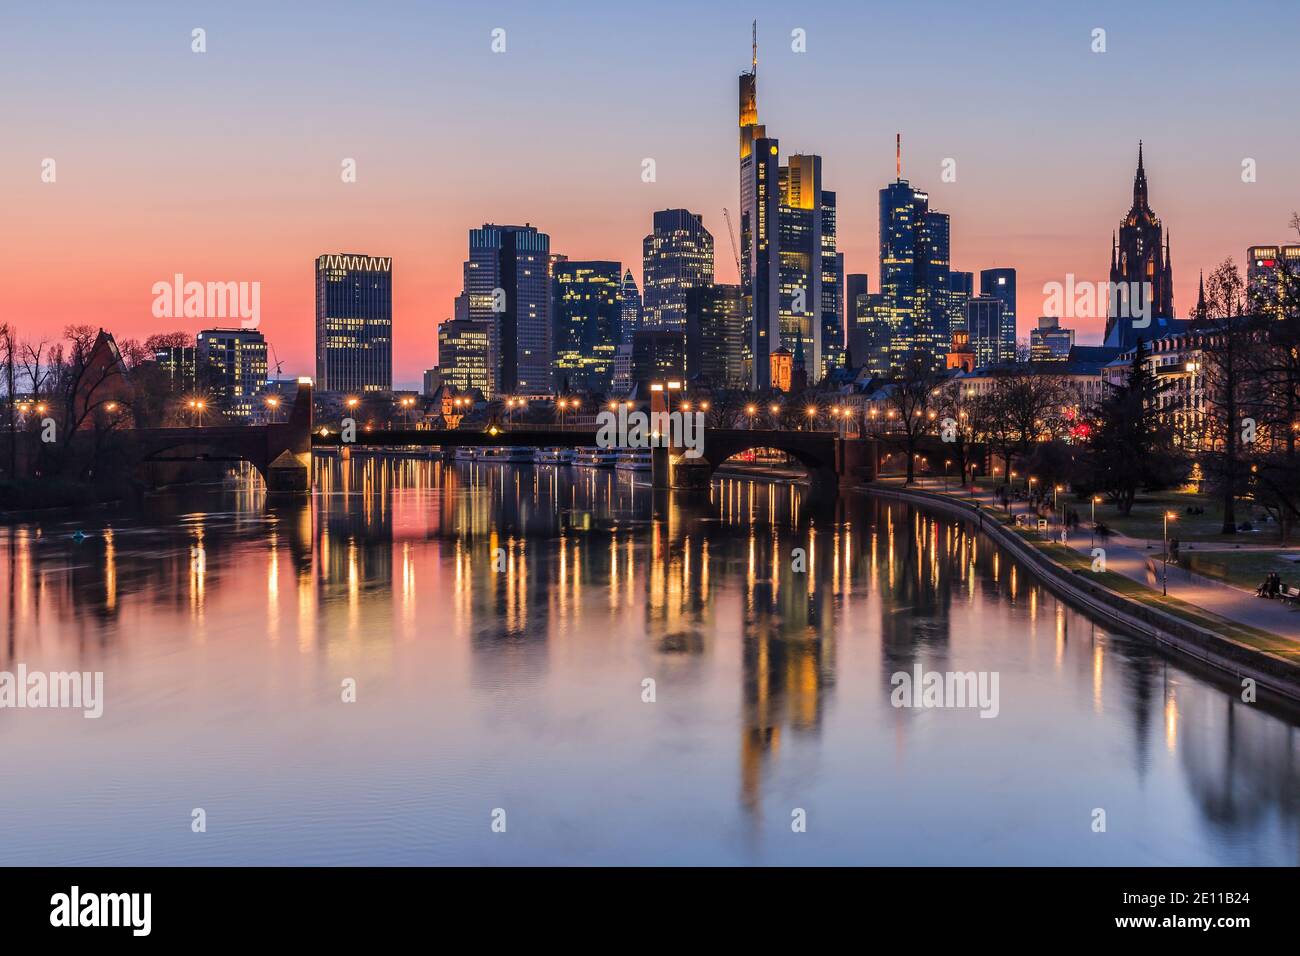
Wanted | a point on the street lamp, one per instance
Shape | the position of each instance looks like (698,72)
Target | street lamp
(1095,499)
(1164,577)
(751,410)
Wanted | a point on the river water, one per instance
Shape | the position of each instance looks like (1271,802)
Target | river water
(553,667)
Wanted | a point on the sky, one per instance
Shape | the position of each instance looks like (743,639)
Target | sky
(226,165)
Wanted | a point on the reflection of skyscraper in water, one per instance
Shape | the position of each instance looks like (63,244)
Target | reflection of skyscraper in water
(788,655)
(915,625)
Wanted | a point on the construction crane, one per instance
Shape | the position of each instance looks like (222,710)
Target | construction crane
(731,234)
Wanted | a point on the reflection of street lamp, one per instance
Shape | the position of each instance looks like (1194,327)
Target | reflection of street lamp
(1164,578)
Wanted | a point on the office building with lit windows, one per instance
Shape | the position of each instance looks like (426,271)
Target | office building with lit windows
(961,289)
(630,300)
(508,286)
(354,323)
(1265,268)
(238,358)
(676,257)
(1050,342)
(657,355)
(1001,284)
(587,307)
(914,271)
(985,323)
(465,354)
(715,330)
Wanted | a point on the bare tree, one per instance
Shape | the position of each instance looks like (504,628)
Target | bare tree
(1225,341)
(913,397)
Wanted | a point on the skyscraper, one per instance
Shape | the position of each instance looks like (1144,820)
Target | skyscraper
(791,275)
(985,324)
(630,308)
(1141,271)
(715,329)
(961,289)
(1001,285)
(508,285)
(238,356)
(354,323)
(760,204)
(914,271)
(855,284)
(677,257)
(465,354)
(588,309)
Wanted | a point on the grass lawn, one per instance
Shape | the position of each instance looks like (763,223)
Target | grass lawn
(1127,587)
(1146,520)
(1244,568)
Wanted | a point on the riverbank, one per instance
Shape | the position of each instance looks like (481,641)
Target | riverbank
(1238,649)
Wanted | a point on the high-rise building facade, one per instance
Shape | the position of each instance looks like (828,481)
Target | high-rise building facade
(855,285)
(985,326)
(1001,285)
(1050,342)
(961,289)
(508,287)
(1140,271)
(588,312)
(791,275)
(238,356)
(677,257)
(630,308)
(354,323)
(715,329)
(657,355)
(914,271)
(1265,268)
(465,356)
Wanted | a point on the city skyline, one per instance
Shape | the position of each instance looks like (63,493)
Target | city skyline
(233,194)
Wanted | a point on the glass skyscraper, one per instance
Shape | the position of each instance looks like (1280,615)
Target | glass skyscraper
(587,306)
(239,358)
(676,257)
(508,288)
(1001,284)
(914,270)
(354,323)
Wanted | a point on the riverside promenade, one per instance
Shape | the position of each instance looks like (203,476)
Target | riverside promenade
(1225,626)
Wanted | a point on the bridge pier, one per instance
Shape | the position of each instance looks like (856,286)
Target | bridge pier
(289,474)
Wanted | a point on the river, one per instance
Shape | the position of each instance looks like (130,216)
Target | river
(550,666)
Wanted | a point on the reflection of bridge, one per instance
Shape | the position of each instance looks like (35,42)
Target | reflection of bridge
(281,452)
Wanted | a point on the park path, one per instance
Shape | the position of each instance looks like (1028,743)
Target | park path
(1131,558)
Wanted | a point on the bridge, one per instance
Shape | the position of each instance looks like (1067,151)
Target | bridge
(829,459)
(281,452)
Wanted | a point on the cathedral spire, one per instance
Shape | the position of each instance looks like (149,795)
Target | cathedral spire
(1200,299)
(1140,183)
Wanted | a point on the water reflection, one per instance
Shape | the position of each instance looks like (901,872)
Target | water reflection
(500,623)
